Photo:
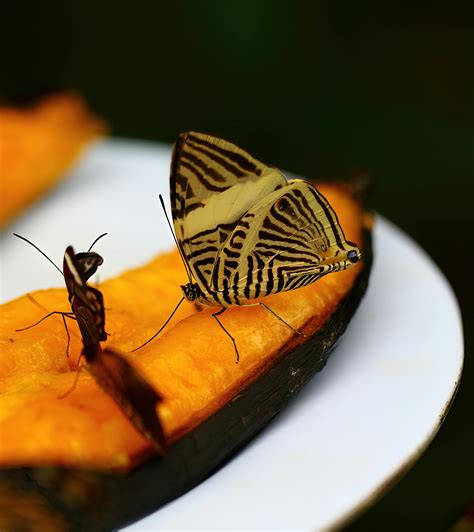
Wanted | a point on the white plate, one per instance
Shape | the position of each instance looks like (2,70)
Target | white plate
(353,429)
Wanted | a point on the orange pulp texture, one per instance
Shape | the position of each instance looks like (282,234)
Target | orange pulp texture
(192,364)
(38,145)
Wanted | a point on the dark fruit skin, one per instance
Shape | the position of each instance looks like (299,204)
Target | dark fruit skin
(72,499)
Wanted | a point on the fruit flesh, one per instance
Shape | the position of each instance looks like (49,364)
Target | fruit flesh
(192,364)
(38,145)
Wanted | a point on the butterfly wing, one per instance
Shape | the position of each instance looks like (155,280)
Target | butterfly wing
(133,394)
(287,240)
(114,373)
(213,183)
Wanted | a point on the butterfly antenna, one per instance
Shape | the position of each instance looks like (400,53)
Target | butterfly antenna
(161,328)
(42,252)
(96,240)
(186,267)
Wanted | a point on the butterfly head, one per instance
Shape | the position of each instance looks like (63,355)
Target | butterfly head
(352,252)
(87,263)
(337,258)
(353,256)
(191,291)
(348,257)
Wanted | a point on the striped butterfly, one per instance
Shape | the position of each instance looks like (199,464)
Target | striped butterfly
(244,231)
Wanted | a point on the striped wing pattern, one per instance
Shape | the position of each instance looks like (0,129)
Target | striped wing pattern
(285,241)
(245,230)
(213,183)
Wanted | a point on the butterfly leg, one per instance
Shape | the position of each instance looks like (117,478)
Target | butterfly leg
(223,309)
(67,314)
(68,335)
(71,317)
(281,319)
(64,315)
(76,379)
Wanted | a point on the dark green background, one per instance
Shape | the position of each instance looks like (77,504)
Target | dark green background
(321,88)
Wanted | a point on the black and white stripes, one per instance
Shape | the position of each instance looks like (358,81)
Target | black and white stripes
(245,230)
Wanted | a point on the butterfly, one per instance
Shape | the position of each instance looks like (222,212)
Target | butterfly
(244,230)
(113,372)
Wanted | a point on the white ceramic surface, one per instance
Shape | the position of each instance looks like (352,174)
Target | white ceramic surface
(353,428)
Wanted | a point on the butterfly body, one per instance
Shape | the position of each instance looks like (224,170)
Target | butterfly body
(114,374)
(244,229)
(87,302)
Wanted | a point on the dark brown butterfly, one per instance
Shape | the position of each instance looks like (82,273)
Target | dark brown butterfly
(112,371)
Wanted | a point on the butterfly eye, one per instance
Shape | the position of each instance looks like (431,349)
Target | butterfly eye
(353,256)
